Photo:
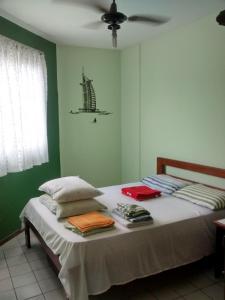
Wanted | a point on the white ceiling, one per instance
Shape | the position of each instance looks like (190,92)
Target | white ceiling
(63,22)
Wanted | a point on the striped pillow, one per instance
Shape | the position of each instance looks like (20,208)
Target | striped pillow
(164,183)
(202,195)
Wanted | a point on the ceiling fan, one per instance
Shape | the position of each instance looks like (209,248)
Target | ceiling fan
(114,18)
(221,18)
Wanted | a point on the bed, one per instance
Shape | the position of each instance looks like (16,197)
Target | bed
(182,233)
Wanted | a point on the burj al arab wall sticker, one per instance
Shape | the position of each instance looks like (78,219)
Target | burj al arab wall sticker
(89,98)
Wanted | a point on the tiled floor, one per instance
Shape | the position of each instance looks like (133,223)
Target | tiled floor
(25,274)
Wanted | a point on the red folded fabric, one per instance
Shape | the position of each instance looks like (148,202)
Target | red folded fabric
(140,192)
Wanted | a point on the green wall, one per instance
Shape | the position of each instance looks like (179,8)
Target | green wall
(181,104)
(18,188)
(130,112)
(90,150)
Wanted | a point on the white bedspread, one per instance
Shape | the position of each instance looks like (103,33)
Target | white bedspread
(182,233)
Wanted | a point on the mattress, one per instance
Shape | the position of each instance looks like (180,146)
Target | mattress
(182,232)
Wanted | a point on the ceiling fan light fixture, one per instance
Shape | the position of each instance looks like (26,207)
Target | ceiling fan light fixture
(114,28)
(114,38)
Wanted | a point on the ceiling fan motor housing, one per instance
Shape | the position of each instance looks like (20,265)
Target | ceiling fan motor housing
(221,18)
(114,18)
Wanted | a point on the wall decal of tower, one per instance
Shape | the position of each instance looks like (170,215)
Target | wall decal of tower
(89,98)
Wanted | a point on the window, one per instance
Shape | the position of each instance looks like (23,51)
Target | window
(23,107)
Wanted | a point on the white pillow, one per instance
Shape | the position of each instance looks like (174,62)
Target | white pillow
(78,208)
(63,210)
(47,201)
(71,188)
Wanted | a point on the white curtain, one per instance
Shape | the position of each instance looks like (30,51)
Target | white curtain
(23,107)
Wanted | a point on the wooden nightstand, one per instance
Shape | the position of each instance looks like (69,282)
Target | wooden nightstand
(219,255)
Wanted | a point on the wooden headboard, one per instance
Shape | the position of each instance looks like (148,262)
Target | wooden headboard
(162,163)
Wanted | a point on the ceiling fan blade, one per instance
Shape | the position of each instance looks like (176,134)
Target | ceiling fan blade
(97,6)
(114,38)
(86,3)
(148,19)
(94,25)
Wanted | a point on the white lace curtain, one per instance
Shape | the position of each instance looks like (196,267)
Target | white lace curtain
(23,107)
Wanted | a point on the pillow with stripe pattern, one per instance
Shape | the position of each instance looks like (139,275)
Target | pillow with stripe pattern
(202,195)
(164,183)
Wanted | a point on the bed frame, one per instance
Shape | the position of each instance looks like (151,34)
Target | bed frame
(162,163)
(53,259)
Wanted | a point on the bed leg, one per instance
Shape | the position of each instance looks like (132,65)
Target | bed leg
(27,233)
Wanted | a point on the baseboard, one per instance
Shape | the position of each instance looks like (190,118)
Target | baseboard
(11,236)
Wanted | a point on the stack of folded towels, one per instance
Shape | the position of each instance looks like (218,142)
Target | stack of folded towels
(90,223)
(73,198)
(132,215)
